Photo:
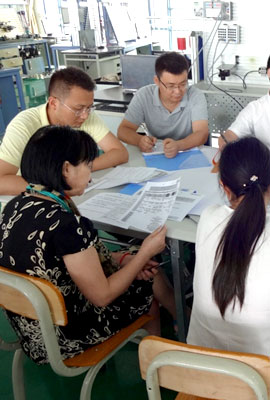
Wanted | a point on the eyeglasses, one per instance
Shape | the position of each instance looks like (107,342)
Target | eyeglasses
(83,110)
(171,88)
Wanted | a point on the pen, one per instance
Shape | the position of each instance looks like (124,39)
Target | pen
(224,138)
(144,127)
(163,263)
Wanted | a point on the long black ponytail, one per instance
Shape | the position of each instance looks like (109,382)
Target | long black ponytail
(245,169)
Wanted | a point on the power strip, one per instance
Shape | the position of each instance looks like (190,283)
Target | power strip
(229,33)
(221,10)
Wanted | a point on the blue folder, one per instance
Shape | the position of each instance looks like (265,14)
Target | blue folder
(185,160)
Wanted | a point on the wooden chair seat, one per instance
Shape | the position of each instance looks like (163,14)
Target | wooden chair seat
(95,354)
(183,396)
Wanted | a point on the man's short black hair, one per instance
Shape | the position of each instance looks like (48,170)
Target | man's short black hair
(64,79)
(171,62)
(48,149)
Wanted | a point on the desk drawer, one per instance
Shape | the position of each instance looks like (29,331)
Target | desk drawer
(11,52)
(11,62)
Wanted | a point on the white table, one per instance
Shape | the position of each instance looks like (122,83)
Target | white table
(177,233)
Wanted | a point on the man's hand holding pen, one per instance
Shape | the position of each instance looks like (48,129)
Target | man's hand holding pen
(146,143)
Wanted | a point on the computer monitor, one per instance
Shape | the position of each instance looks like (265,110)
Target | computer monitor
(137,71)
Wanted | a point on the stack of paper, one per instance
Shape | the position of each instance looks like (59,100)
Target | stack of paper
(146,211)
(122,175)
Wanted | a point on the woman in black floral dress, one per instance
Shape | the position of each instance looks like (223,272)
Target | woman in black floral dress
(42,234)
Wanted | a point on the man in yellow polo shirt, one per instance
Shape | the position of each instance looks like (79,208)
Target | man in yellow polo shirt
(71,97)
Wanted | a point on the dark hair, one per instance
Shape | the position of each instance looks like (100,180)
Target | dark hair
(245,169)
(268,63)
(171,62)
(48,149)
(64,79)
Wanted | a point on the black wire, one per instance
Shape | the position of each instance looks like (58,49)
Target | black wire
(244,79)
(224,91)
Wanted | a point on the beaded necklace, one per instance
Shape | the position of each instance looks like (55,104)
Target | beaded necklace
(60,198)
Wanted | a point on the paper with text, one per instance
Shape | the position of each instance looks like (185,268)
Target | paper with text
(107,208)
(185,201)
(122,175)
(146,211)
(152,206)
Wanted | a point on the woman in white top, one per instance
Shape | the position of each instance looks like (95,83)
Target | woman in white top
(231,307)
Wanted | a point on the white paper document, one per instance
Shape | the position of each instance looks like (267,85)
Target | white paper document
(107,208)
(153,206)
(156,149)
(122,175)
(145,211)
(185,201)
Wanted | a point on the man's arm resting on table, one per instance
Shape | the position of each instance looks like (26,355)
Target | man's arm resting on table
(198,137)
(115,153)
(127,133)
(230,136)
(10,183)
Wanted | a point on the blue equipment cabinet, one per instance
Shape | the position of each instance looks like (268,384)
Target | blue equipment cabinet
(10,80)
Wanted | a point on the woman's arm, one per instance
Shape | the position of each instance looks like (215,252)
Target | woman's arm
(86,271)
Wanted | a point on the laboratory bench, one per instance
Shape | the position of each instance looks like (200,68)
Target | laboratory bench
(27,42)
(96,62)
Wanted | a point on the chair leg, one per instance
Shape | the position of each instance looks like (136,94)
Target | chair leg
(17,375)
(88,381)
(92,372)
(141,333)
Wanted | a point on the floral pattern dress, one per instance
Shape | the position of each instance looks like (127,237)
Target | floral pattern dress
(35,234)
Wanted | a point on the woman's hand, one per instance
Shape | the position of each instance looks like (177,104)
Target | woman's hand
(154,243)
(86,271)
(149,270)
(147,274)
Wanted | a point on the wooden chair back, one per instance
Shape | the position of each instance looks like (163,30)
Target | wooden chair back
(205,384)
(12,300)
